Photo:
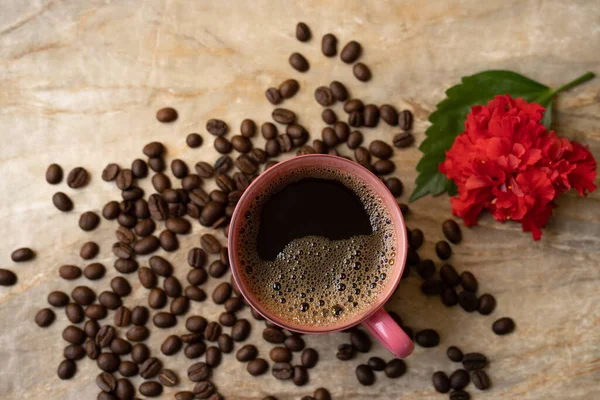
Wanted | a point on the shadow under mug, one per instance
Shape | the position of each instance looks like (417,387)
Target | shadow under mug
(374,318)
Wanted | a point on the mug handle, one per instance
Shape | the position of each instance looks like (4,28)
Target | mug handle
(389,333)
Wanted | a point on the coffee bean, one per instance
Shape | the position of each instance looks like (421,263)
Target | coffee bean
(319,147)
(299,62)
(380,149)
(371,114)
(105,336)
(321,394)
(403,139)
(273,95)
(268,130)
(122,250)
(191,182)
(362,156)
(199,372)
(389,114)
(58,299)
(172,286)
(217,127)
(362,73)
(161,182)
(452,231)
(449,297)
(167,114)
(204,170)
(54,174)
(282,371)
(454,354)
(395,186)
(360,341)
(193,140)
(91,349)
(73,335)
(66,369)
(329,137)
(221,293)
(468,281)
(241,143)
(300,377)
(480,379)
(124,390)
(351,52)
(246,165)
(339,91)
(185,395)
(280,354)
(210,243)
(225,343)
(74,313)
(342,131)
(474,361)
(197,276)
(427,338)
(405,120)
(157,298)
(294,343)
(171,345)
(273,335)
(21,255)
(122,316)
(395,368)
(212,331)
(180,305)
(468,301)
(503,326)
(487,304)
(376,363)
(151,389)
(88,221)
(449,275)
(443,250)
(83,295)
(168,241)
(284,116)
(241,330)
(157,207)
(384,167)
(108,362)
(195,349)
(160,266)
(329,45)
(324,96)
(249,352)
(426,269)
(89,250)
(77,178)
(355,139)
(62,202)
(365,375)
(356,119)
(459,379)
(111,210)
(227,319)
(150,368)
(145,227)
(44,317)
(157,164)
(120,346)
(147,277)
(222,145)
(95,312)
(441,383)
(124,179)
(106,382)
(204,389)
(128,368)
(140,353)
(303,32)
(211,212)
(153,149)
(345,352)
(272,148)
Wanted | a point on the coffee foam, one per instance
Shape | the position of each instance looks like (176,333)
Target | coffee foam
(316,281)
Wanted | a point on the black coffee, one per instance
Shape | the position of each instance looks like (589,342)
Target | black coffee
(317,247)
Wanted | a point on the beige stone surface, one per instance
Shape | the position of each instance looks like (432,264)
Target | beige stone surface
(80,82)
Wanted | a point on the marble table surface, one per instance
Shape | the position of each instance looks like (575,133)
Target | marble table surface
(80,82)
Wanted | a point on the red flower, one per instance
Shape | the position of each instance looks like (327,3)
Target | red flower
(507,163)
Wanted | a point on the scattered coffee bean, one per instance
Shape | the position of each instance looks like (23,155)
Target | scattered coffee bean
(443,250)
(300,377)
(120,286)
(88,221)
(284,116)
(273,335)
(427,338)
(395,368)
(360,340)
(168,241)
(44,317)
(329,116)
(376,364)
(213,356)
(309,358)
(356,119)
(74,313)
(361,72)
(167,114)
(480,379)
(441,383)
(303,32)
(321,394)
(151,389)
(225,343)
(459,379)
(329,45)
(365,375)
(246,353)
(140,353)
(282,371)
(351,52)
(380,149)
(58,299)
(468,281)
(503,326)
(288,89)
(185,395)
(474,361)
(487,304)
(193,140)
(273,96)
(62,202)
(405,120)
(66,369)
(108,362)
(324,96)
(223,145)
(355,139)
(345,352)
(157,164)
(77,178)
(402,140)
(199,372)
(449,275)
(426,269)
(221,293)
(454,354)
(298,62)
(217,127)
(396,187)
(258,367)
(280,354)
(295,343)
(96,312)
(371,115)
(54,174)
(384,167)
(468,301)
(21,255)
(241,330)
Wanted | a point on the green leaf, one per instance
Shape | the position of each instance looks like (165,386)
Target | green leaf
(447,121)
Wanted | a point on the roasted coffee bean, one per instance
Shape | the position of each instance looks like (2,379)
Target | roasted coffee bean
(384,167)
(77,178)
(345,352)
(288,89)
(44,317)
(487,304)
(204,389)
(412,258)
(339,91)
(157,164)
(432,287)
(222,145)
(197,257)
(210,243)
(194,349)
(405,120)
(360,341)
(454,354)
(124,179)
(468,281)
(140,315)
(342,131)
(468,301)
(66,369)
(449,297)
(193,140)
(167,114)
(147,277)
(111,210)
(178,225)
(197,276)
(321,394)
(427,338)
(225,343)
(303,33)
(106,382)
(459,379)
(278,354)
(204,170)
(73,335)
(150,368)
(449,275)
(74,313)
(199,197)
(365,375)
(283,116)
(91,349)
(452,231)
(172,286)
(140,353)
(294,343)
(426,269)
(246,165)
(171,345)
(120,346)
(54,174)
(282,371)
(180,305)
(128,368)
(185,395)
(300,377)
(95,312)
(329,137)
(168,378)
(319,146)
(234,304)
(213,356)
(234,197)
(273,95)
(157,298)
(145,227)
(69,272)
(272,148)
(503,326)
(108,362)
(139,168)
(441,383)
(257,155)
(356,119)
(241,330)
(389,114)
(329,45)
(124,390)
(403,139)
(241,143)
(88,221)
(474,361)
(122,250)
(212,331)
(273,335)
(89,250)
(324,96)
(309,358)
(329,116)
(191,182)
(58,299)
(83,295)
(194,293)
(376,363)
(105,336)
(227,319)
(380,149)
(459,395)
(199,372)
(295,131)
(351,52)
(480,379)
(179,168)
(62,202)
(153,149)
(299,62)
(362,156)
(371,115)
(193,210)
(122,316)
(395,186)
(268,130)
(160,266)
(151,389)
(355,139)
(168,241)
(362,72)
(217,127)
(395,368)
(157,207)
(161,182)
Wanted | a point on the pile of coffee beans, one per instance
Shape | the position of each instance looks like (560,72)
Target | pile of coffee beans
(146,223)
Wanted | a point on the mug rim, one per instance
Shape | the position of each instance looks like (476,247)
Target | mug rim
(368,178)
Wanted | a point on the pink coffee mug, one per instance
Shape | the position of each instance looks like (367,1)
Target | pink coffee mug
(375,319)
